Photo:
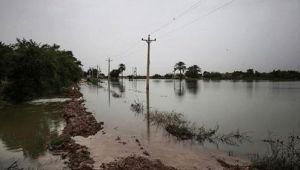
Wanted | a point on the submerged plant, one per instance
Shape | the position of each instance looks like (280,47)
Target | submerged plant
(176,125)
(137,107)
(284,155)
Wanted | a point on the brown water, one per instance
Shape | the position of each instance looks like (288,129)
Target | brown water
(257,108)
(23,134)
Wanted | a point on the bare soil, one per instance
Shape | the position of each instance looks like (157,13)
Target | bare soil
(79,122)
(136,163)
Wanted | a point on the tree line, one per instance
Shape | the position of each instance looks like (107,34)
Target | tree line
(30,70)
(93,73)
(195,72)
(181,71)
(250,74)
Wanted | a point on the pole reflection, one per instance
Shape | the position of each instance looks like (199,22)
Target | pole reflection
(148,109)
(108,85)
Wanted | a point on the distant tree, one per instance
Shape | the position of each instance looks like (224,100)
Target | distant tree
(156,76)
(168,75)
(250,73)
(181,67)
(206,74)
(122,68)
(237,75)
(93,72)
(193,71)
(212,75)
(115,73)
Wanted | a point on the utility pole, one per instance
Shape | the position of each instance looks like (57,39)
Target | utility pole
(97,72)
(108,74)
(148,41)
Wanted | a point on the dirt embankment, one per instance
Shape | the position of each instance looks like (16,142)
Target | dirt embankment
(79,122)
(136,163)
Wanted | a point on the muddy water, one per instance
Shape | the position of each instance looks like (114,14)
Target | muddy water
(254,108)
(23,134)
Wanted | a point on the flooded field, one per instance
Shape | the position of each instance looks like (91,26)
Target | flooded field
(255,109)
(133,122)
(24,130)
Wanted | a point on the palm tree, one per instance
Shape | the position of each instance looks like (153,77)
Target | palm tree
(122,68)
(181,67)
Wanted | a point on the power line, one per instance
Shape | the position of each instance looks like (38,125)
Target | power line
(198,18)
(192,7)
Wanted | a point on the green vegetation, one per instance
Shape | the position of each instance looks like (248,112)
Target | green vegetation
(30,70)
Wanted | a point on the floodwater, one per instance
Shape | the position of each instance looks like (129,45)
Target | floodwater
(259,109)
(24,130)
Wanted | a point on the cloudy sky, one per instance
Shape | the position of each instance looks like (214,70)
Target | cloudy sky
(217,35)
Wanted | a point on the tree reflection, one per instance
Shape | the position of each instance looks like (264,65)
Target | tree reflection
(117,84)
(192,86)
(27,127)
(179,88)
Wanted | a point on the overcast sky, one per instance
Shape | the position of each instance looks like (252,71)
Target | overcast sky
(259,34)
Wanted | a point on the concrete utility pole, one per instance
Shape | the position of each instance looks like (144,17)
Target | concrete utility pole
(148,58)
(108,74)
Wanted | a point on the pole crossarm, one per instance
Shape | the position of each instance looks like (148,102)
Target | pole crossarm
(148,40)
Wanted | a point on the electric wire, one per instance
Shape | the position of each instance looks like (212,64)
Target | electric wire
(198,18)
(192,7)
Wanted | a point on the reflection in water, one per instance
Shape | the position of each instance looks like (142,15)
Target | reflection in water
(148,113)
(192,86)
(179,88)
(225,103)
(177,125)
(26,128)
(108,86)
(134,84)
(117,84)
(250,87)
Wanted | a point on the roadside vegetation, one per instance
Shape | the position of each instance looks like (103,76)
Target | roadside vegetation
(31,70)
